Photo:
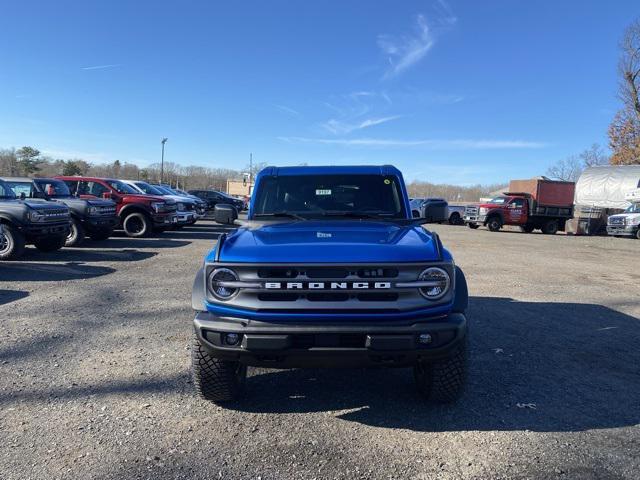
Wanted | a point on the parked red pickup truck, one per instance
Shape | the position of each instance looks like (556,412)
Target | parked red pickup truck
(531,204)
(140,215)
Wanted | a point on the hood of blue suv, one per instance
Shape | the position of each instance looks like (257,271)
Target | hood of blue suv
(330,242)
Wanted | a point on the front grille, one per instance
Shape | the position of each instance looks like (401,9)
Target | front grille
(332,289)
(54,214)
(106,211)
(616,220)
(471,210)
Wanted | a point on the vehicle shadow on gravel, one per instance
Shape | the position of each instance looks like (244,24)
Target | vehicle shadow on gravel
(8,296)
(75,256)
(534,366)
(126,242)
(39,272)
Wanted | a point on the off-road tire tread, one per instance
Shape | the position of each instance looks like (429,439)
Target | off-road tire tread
(214,379)
(80,236)
(443,381)
(18,243)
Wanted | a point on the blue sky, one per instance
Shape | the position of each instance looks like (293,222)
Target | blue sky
(456,91)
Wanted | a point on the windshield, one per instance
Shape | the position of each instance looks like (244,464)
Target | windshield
(164,190)
(5,191)
(498,200)
(633,208)
(338,195)
(122,187)
(53,188)
(19,188)
(148,189)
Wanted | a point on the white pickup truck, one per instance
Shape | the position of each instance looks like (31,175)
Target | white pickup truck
(627,223)
(454,212)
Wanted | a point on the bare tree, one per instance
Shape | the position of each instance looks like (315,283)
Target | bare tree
(567,169)
(594,156)
(624,131)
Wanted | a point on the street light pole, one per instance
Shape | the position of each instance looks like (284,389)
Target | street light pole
(250,171)
(163,141)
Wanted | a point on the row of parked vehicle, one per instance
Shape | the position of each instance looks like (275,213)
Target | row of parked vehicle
(51,213)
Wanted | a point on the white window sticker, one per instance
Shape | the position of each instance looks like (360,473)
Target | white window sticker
(323,192)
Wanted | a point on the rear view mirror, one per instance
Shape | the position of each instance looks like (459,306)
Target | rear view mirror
(225,213)
(22,196)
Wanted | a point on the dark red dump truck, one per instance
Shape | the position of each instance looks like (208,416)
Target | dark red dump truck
(532,204)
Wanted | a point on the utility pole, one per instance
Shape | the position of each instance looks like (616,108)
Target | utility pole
(163,141)
(250,171)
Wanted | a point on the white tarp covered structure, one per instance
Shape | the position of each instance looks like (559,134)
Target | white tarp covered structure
(607,186)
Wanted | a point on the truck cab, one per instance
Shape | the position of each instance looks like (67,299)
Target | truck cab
(139,215)
(626,224)
(329,270)
(30,221)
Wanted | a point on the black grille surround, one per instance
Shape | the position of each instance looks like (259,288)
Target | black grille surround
(337,288)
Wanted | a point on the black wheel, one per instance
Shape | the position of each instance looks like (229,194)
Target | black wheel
(51,243)
(137,225)
(415,213)
(11,243)
(100,235)
(455,219)
(638,234)
(444,380)
(550,228)
(527,228)
(494,224)
(216,380)
(473,226)
(76,234)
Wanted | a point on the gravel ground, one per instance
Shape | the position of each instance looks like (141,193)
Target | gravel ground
(94,373)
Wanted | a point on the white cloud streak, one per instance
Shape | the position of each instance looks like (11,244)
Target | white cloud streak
(338,127)
(433,144)
(102,67)
(406,51)
(287,110)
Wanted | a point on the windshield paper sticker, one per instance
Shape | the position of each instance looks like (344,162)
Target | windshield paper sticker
(323,192)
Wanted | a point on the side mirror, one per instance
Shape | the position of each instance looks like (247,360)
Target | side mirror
(107,195)
(225,213)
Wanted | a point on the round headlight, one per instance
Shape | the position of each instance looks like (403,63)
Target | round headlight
(440,283)
(216,283)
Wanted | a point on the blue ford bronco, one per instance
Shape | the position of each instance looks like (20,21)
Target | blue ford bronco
(329,270)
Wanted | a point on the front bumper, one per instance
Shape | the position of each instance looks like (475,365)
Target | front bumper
(101,223)
(622,229)
(165,220)
(36,230)
(186,218)
(474,218)
(351,344)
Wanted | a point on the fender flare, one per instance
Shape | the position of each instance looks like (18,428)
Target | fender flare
(495,213)
(198,294)
(461,299)
(127,209)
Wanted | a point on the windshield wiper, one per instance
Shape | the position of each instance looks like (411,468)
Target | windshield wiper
(355,214)
(280,214)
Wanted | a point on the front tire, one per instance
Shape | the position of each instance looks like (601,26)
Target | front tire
(76,234)
(11,243)
(494,224)
(443,381)
(216,380)
(638,234)
(455,219)
(50,244)
(137,225)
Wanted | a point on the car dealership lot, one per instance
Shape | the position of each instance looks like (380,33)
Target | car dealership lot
(94,373)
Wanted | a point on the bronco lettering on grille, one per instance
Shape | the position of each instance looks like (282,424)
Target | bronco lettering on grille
(327,285)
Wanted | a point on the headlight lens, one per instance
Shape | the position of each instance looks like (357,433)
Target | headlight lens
(158,207)
(92,210)
(439,287)
(222,275)
(483,210)
(36,216)
(181,207)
